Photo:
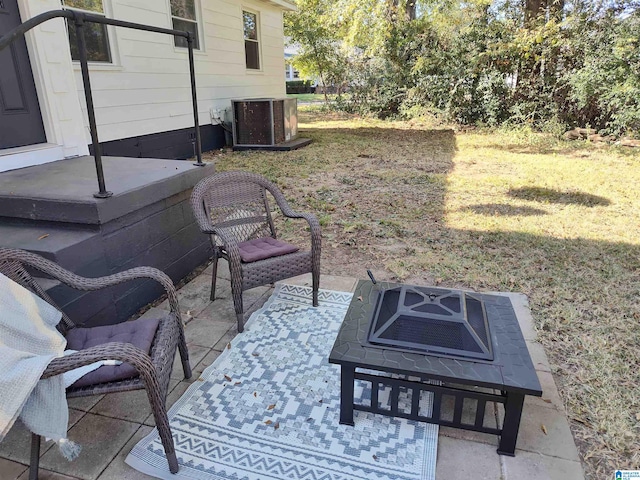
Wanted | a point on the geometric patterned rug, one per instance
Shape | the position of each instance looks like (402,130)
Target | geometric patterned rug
(268,408)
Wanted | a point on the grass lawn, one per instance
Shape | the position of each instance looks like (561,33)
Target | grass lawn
(489,211)
(309,97)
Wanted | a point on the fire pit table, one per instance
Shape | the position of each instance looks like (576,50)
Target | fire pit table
(401,337)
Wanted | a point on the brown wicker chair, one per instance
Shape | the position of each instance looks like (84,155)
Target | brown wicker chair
(233,208)
(154,368)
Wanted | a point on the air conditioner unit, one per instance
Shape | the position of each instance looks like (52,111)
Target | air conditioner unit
(264,121)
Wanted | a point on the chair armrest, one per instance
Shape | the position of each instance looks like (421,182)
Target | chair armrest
(231,248)
(312,220)
(314,227)
(124,352)
(82,283)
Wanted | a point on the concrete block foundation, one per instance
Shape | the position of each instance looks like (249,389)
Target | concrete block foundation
(50,210)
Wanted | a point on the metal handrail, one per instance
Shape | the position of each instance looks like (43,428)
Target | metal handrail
(80,18)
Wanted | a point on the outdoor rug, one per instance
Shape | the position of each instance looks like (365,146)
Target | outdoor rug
(268,408)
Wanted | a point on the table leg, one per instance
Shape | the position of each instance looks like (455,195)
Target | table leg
(346,394)
(511,425)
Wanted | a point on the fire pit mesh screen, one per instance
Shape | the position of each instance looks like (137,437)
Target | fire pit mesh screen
(431,320)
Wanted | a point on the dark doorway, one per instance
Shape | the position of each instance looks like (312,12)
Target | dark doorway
(20,118)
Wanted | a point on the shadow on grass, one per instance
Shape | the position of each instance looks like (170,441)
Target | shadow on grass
(549,195)
(498,209)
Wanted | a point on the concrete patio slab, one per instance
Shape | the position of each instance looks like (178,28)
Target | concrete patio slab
(196,353)
(17,444)
(131,406)
(490,420)
(464,459)
(195,295)
(205,333)
(118,470)
(11,470)
(539,357)
(84,404)
(101,438)
(529,465)
(223,270)
(47,475)
(556,442)
(116,422)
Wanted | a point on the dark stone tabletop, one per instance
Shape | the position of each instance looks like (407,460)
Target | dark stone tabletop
(511,369)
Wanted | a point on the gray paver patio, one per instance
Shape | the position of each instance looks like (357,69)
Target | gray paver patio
(108,429)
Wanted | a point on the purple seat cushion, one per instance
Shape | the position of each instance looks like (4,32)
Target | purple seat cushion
(139,333)
(261,248)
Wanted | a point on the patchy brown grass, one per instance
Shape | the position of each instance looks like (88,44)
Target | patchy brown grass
(491,211)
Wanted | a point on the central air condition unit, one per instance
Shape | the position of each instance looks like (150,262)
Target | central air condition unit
(264,121)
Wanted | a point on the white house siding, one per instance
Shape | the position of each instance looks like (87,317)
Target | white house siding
(147,88)
(56,87)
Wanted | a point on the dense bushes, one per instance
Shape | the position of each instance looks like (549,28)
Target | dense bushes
(540,62)
(300,86)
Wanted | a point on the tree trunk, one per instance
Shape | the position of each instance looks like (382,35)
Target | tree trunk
(410,10)
(532,11)
(401,9)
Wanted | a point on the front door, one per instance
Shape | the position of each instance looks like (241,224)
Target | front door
(20,118)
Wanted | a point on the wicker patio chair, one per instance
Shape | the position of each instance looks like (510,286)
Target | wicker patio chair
(153,368)
(233,208)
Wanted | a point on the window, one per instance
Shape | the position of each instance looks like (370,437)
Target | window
(183,15)
(95,35)
(251,43)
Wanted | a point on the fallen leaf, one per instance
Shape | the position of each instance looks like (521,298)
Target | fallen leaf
(375,458)
(228,345)
(43,236)
(360,298)
(255,354)
(255,394)
(544,429)
(546,400)
(276,425)
(268,422)
(227,378)
(201,379)
(237,383)
(309,419)
(271,407)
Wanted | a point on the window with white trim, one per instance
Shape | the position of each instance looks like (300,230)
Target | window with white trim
(183,17)
(96,36)
(251,40)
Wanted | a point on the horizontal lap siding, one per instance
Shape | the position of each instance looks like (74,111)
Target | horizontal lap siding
(147,90)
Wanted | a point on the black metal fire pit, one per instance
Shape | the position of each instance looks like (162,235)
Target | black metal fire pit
(461,340)
(431,320)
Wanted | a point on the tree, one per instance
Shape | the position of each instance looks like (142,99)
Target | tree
(571,62)
(311,28)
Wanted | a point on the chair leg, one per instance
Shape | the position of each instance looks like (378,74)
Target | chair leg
(162,424)
(214,274)
(35,457)
(184,358)
(315,276)
(236,291)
